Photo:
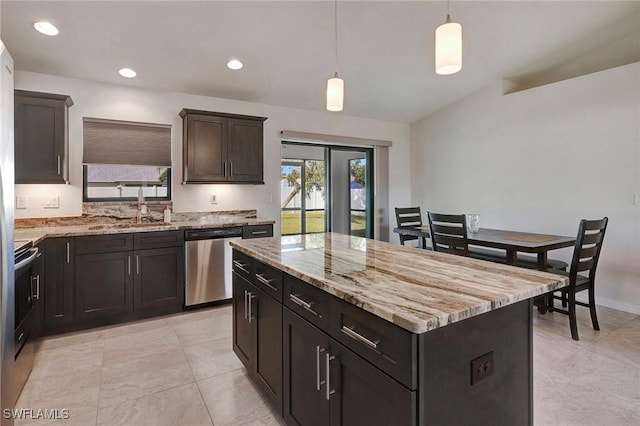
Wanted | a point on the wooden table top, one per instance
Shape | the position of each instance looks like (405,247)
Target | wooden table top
(502,239)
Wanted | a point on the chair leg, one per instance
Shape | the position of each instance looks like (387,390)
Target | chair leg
(550,302)
(573,323)
(592,308)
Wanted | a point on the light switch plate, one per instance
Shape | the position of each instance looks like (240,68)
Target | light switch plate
(21,202)
(636,200)
(52,202)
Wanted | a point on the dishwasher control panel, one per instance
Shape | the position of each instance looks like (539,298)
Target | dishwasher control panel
(213,233)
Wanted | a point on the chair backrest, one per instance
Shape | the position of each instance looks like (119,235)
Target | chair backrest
(408,216)
(449,233)
(587,249)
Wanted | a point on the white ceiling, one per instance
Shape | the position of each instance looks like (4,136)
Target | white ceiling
(385,48)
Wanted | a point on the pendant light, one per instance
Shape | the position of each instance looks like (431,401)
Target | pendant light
(335,85)
(448,46)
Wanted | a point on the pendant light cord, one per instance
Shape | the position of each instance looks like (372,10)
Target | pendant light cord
(335,21)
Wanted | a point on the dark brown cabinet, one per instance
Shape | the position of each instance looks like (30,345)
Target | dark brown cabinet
(305,348)
(104,284)
(95,280)
(41,141)
(257,321)
(159,274)
(327,384)
(222,148)
(57,286)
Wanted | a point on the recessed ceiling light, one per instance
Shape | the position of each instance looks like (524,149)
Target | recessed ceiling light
(127,72)
(234,64)
(46,28)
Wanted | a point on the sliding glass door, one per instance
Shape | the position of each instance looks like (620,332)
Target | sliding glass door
(303,187)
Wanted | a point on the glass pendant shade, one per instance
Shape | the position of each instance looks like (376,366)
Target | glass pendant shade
(335,93)
(448,48)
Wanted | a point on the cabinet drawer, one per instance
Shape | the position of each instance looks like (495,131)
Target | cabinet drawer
(307,301)
(243,265)
(104,244)
(158,239)
(392,349)
(257,231)
(269,280)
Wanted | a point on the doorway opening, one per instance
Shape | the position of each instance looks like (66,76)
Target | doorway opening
(326,189)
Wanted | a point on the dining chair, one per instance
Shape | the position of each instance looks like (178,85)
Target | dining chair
(585,259)
(408,217)
(448,233)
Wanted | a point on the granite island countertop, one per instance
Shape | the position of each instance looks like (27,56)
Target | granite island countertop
(38,229)
(416,289)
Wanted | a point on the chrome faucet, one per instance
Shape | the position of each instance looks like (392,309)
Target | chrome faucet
(142,206)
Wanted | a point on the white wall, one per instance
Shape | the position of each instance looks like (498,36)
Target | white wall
(540,160)
(108,101)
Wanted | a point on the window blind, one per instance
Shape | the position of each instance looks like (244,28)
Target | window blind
(126,142)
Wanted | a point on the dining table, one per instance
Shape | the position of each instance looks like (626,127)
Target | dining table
(510,241)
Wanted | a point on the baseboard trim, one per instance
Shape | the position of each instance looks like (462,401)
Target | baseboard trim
(620,306)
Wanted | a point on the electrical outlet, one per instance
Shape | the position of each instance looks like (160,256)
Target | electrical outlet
(481,367)
(214,199)
(52,202)
(21,202)
(636,200)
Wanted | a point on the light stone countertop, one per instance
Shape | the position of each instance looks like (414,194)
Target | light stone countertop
(416,289)
(74,227)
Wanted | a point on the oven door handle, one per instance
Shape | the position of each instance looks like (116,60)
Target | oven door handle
(28,260)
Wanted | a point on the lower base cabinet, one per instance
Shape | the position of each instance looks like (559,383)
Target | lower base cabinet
(159,278)
(104,285)
(327,384)
(257,337)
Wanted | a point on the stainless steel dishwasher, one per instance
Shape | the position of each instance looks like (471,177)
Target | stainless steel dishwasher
(208,264)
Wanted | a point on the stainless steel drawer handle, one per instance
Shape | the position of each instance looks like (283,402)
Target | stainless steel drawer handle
(241,266)
(266,282)
(59,161)
(330,391)
(349,332)
(319,382)
(68,250)
(305,305)
(259,232)
(20,336)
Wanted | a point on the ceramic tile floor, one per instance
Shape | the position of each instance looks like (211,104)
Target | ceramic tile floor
(180,370)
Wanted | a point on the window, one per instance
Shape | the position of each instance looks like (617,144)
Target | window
(121,157)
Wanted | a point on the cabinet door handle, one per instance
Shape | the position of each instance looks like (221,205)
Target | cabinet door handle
(59,165)
(35,295)
(318,381)
(266,282)
(305,305)
(230,168)
(137,264)
(360,338)
(20,336)
(329,358)
(240,266)
(68,250)
(224,172)
(251,297)
(245,304)
(129,264)
(259,232)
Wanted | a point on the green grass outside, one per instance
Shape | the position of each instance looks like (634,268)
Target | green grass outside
(290,223)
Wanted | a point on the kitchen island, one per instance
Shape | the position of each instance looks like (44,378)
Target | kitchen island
(335,329)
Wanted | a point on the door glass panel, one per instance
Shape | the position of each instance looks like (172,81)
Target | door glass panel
(291,197)
(358,197)
(314,202)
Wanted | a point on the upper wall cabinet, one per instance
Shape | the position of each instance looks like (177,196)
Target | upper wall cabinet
(41,140)
(221,148)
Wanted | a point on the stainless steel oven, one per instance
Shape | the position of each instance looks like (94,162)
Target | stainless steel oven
(27,293)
